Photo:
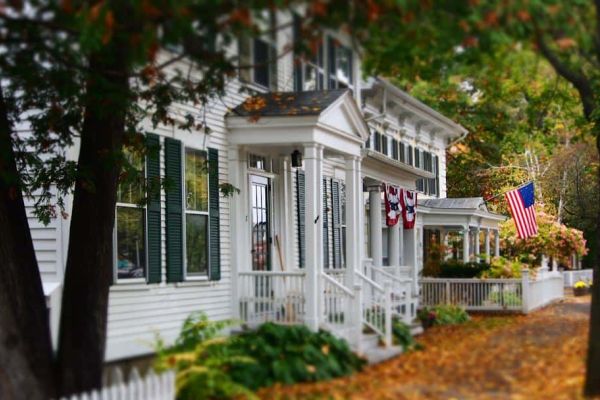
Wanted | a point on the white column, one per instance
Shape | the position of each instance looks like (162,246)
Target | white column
(466,249)
(487,245)
(375,225)
(497,243)
(239,225)
(410,256)
(313,154)
(444,241)
(287,213)
(394,245)
(354,209)
(401,259)
(477,244)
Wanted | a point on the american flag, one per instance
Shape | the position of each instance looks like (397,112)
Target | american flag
(522,209)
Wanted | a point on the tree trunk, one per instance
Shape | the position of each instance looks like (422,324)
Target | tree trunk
(90,256)
(25,345)
(592,378)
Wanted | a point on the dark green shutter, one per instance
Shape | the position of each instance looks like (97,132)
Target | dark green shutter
(336,208)
(301,209)
(214,217)
(154,234)
(174,215)
(325,226)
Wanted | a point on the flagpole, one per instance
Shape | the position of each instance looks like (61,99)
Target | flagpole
(500,194)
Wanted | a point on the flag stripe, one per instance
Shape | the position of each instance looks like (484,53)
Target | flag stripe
(524,217)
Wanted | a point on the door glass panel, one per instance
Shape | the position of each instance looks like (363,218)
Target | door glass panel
(260,211)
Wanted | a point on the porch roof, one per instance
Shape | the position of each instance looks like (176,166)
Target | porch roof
(289,120)
(458,212)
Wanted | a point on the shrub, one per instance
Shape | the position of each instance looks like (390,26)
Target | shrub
(580,285)
(402,335)
(458,269)
(443,314)
(210,366)
(503,268)
(291,354)
(202,361)
(505,298)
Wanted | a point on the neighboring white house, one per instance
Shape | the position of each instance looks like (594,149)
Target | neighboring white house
(303,242)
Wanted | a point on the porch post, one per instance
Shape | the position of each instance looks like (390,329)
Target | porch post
(313,156)
(497,243)
(466,250)
(487,245)
(354,209)
(444,241)
(237,174)
(477,244)
(394,245)
(410,257)
(375,224)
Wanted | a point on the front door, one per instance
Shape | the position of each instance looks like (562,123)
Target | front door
(260,211)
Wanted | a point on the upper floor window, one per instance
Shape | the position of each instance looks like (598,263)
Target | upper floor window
(430,186)
(258,57)
(130,223)
(329,67)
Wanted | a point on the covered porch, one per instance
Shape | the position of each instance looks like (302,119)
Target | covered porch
(463,228)
(298,223)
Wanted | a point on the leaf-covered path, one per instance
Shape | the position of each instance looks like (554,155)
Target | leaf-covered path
(539,356)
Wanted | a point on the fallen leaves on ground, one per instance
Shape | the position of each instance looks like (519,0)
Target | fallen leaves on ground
(538,356)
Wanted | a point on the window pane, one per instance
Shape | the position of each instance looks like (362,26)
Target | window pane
(261,62)
(131,242)
(343,65)
(131,190)
(196,228)
(196,180)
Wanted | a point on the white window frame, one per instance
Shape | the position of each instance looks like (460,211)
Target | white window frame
(185,212)
(118,204)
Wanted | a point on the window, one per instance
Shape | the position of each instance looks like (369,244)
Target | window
(402,151)
(196,213)
(340,65)
(410,155)
(258,58)
(394,149)
(130,225)
(418,158)
(329,67)
(430,186)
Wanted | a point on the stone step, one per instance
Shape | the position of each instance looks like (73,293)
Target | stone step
(369,341)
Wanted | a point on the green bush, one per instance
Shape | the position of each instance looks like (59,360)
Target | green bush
(402,335)
(503,268)
(457,269)
(443,314)
(504,298)
(210,366)
(291,354)
(202,361)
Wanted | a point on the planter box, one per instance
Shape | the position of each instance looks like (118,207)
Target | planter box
(581,291)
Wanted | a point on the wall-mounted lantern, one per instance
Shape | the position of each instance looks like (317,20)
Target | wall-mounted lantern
(296,159)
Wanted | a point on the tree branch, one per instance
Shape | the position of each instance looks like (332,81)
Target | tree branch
(577,78)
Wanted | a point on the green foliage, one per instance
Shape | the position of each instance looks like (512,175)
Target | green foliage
(402,335)
(290,354)
(210,366)
(458,269)
(443,314)
(553,239)
(203,361)
(504,298)
(502,267)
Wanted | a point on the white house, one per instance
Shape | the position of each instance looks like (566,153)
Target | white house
(305,240)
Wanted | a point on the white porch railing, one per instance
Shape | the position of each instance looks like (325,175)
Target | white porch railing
(586,275)
(523,294)
(377,307)
(339,302)
(400,288)
(269,296)
(150,387)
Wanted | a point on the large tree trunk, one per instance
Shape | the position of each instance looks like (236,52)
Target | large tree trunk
(25,345)
(592,379)
(90,256)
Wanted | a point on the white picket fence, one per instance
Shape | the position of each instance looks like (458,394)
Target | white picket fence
(586,275)
(524,295)
(150,387)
